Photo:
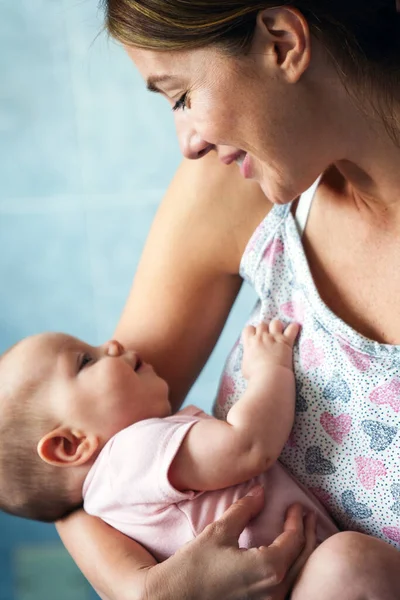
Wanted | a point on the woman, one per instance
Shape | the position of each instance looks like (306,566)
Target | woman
(290,93)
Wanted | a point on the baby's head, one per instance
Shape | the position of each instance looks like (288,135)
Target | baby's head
(61,400)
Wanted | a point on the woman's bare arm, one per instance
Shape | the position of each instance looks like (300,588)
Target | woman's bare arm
(114,564)
(188,278)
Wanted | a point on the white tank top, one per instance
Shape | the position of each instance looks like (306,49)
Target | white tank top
(345,444)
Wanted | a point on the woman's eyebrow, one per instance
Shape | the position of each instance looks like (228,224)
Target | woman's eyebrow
(153,80)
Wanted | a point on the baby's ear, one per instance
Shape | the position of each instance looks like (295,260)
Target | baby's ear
(65,448)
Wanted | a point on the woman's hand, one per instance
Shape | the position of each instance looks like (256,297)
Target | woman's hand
(212,567)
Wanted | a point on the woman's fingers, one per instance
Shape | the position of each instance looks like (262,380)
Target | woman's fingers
(294,519)
(309,547)
(288,546)
(237,516)
(258,573)
(291,574)
(282,554)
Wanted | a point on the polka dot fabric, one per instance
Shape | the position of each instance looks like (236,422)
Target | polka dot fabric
(345,444)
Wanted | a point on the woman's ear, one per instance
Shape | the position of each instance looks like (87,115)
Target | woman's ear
(282,35)
(65,448)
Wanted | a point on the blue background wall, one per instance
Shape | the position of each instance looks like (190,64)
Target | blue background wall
(85,156)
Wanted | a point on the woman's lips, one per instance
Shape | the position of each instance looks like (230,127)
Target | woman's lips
(245,167)
(242,159)
(228,159)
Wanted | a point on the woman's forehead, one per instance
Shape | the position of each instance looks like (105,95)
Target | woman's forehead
(151,61)
(155,63)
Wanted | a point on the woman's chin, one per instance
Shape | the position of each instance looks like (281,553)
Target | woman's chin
(276,195)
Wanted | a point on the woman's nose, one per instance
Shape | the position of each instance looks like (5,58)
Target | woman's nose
(196,147)
(114,348)
(192,144)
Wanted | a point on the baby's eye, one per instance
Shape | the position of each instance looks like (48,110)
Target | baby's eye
(84,360)
(181,103)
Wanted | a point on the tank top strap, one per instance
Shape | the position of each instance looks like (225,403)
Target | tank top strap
(304,205)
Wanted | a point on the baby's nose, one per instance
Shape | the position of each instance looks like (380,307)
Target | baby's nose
(114,348)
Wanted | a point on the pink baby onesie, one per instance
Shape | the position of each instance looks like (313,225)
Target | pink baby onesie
(128,487)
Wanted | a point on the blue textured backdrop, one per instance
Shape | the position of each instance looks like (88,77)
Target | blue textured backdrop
(86,154)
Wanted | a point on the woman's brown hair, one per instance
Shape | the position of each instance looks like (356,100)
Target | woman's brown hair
(362,38)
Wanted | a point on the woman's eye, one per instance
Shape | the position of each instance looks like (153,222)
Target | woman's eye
(84,360)
(181,103)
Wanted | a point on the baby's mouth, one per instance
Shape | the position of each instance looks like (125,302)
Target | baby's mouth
(138,364)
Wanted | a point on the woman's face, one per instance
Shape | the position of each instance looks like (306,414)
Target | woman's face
(243,107)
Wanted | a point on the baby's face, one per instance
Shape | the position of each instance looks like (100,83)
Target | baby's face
(96,389)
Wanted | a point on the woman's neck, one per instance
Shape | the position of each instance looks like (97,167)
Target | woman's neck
(358,143)
(371,168)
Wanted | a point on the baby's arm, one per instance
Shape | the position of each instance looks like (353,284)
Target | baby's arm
(217,454)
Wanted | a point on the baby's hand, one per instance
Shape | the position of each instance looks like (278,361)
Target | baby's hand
(267,345)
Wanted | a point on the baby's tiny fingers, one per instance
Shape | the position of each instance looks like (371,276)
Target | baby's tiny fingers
(276,327)
(291,332)
(248,332)
(262,327)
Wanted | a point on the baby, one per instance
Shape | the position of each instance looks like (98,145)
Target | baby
(94,425)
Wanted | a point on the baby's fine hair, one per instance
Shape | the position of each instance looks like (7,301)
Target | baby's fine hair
(29,487)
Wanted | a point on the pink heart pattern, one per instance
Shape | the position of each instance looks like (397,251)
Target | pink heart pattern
(393,533)
(294,310)
(388,393)
(259,232)
(347,388)
(272,251)
(226,389)
(368,470)
(336,427)
(311,356)
(361,361)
